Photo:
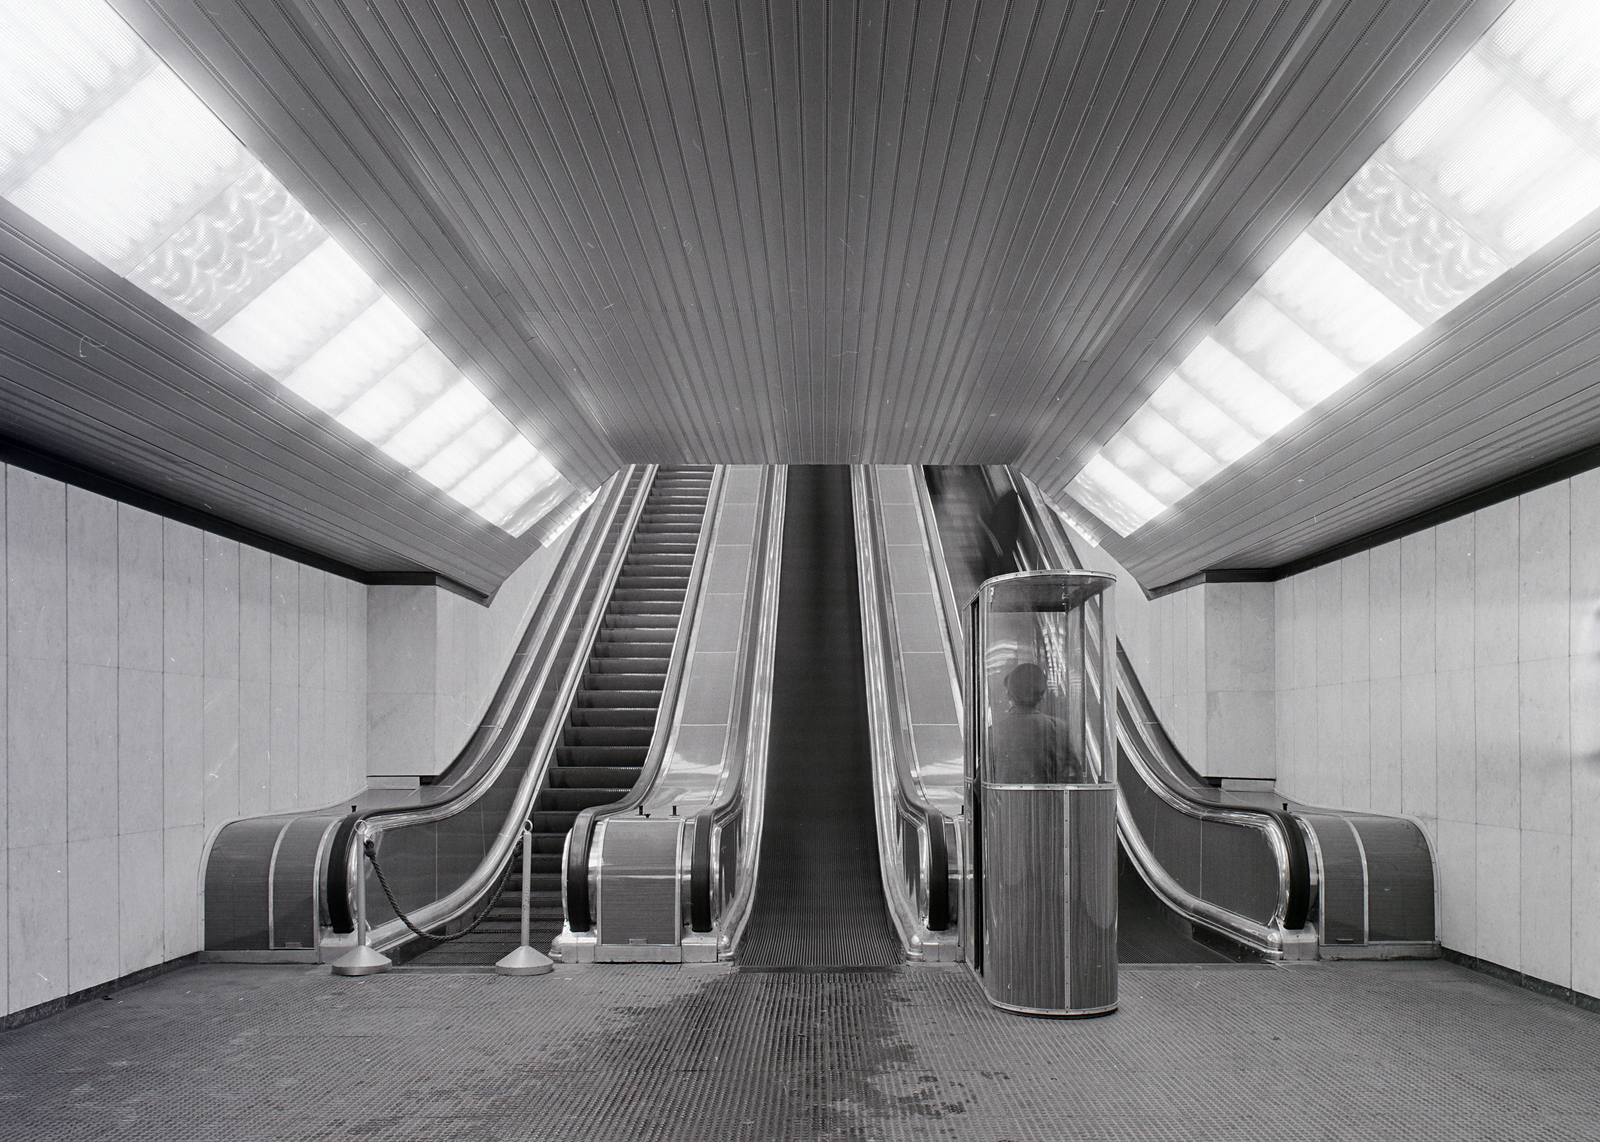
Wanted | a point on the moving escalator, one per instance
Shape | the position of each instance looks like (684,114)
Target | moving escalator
(567,732)
(607,734)
(1246,873)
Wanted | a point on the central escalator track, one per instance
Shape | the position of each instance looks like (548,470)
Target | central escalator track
(608,731)
(819,900)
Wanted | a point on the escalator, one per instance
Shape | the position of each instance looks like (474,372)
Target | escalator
(607,733)
(1251,875)
(568,729)
(976,513)
(820,899)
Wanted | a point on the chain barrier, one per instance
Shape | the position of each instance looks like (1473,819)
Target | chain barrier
(371,849)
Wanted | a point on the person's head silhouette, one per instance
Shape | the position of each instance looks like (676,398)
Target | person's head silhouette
(1026,684)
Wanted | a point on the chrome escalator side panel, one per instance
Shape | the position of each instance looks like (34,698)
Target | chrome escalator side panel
(463,898)
(707,755)
(917,777)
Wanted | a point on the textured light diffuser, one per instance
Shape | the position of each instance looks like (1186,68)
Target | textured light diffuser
(1500,158)
(102,143)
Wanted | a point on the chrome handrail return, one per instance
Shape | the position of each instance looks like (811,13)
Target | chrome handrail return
(544,664)
(915,839)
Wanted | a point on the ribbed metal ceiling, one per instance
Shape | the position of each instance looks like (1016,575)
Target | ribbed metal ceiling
(876,231)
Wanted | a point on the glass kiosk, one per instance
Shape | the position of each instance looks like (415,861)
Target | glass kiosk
(1042,794)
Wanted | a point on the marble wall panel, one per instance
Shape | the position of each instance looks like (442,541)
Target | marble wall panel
(1545,899)
(255,747)
(140,784)
(36,567)
(220,750)
(141,899)
(1383,611)
(285,619)
(222,607)
(36,879)
(1455,589)
(1495,586)
(255,615)
(91,751)
(1497,745)
(183,593)
(139,589)
(1386,771)
(1456,852)
(1418,581)
(310,619)
(1418,746)
(1456,744)
(1544,742)
(91,578)
(36,751)
(1585,955)
(1544,571)
(1355,625)
(1499,896)
(183,750)
(93,940)
(181,851)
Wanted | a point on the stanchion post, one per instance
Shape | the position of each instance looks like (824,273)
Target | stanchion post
(362,959)
(525,960)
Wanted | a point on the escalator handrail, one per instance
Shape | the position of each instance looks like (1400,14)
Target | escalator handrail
(742,784)
(484,755)
(1151,762)
(577,874)
(374,822)
(893,749)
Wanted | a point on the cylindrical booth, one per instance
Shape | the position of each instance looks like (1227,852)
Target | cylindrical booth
(1042,794)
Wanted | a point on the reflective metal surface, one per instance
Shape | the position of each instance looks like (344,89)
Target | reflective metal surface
(916,840)
(441,858)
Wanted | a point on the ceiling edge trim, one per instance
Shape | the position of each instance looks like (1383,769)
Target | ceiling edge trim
(19,455)
(1554,471)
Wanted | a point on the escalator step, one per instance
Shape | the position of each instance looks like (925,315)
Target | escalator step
(554,820)
(611,756)
(564,800)
(606,735)
(651,607)
(594,776)
(646,700)
(604,716)
(607,665)
(651,683)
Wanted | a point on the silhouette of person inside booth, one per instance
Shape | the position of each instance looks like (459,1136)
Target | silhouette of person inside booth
(1026,745)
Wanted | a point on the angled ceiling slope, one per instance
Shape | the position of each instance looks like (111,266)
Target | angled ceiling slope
(833,232)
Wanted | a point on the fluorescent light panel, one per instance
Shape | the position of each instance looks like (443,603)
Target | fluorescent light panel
(1500,158)
(102,143)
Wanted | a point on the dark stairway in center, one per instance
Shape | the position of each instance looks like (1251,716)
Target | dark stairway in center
(819,896)
(607,735)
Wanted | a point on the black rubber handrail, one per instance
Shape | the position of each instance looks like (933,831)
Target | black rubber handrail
(523,681)
(580,838)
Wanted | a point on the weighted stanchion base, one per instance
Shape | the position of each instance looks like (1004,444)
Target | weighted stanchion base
(524,961)
(362,960)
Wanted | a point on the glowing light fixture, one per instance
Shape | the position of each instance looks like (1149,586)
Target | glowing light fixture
(102,143)
(1500,158)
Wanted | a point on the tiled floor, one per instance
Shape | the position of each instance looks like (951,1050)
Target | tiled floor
(1326,1051)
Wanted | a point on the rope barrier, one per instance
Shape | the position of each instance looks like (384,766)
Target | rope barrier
(371,849)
